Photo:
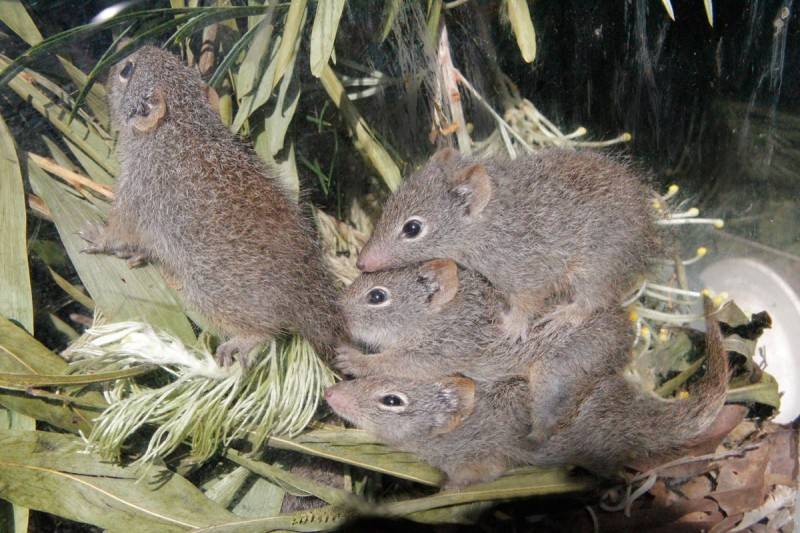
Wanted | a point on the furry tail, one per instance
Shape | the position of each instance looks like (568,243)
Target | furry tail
(708,396)
(618,424)
(681,421)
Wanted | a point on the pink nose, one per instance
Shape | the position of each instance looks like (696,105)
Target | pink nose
(360,264)
(328,393)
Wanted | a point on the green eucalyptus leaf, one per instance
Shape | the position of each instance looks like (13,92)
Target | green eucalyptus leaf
(90,167)
(51,252)
(290,39)
(119,292)
(323,33)
(94,94)
(764,392)
(364,139)
(53,43)
(521,483)
(328,494)
(522,24)
(391,11)
(27,86)
(256,70)
(20,352)
(74,292)
(231,57)
(374,457)
(15,282)
(261,498)
(222,489)
(17,381)
(665,359)
(668,6)
(708,5)
(14,15)
(732,314)
(54,473)
(735,343)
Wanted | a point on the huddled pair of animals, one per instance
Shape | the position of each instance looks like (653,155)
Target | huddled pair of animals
(486,330)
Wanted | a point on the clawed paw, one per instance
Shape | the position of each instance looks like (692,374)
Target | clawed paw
(514,326)
(92,233)
(136,260)
(350,361)
(539,435)
(565,316)
(236,349)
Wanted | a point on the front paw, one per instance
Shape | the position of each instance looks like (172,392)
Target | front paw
(514,326)
(351,362)
(564,317)
(539,435)
(93,234)
(460,476)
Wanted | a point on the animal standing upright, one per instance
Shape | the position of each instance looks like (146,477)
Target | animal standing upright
(195,200)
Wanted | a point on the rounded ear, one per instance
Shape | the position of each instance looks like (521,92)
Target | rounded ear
(441,279)
(456,398)
(155,109)
(213,97)
(445,155)
(473,187)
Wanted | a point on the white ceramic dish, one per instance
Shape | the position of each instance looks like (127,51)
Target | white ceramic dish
(756,287)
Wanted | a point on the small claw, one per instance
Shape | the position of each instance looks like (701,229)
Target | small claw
(137,261)
(539,436)
(92,249)
(350,361)
(91,234)
(515,328)
(236,349)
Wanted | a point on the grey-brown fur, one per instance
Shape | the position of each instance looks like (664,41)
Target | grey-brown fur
(194,199)
(613,423)
(313,468)
(472,431)
(616,423)
(559,226)
(418,333)
(410,334)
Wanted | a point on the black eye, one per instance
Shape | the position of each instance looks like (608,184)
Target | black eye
(412,228)
(126,71)
(377,296)
(390,400)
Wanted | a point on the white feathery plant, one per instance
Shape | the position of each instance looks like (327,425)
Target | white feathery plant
(203,404)
(659,304)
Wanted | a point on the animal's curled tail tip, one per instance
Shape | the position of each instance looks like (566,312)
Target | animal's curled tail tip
(714,385)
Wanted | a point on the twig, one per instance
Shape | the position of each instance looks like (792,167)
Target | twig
(38,207)
(497,117)
(365,141)
(74,179)
(736,452)
(450,78)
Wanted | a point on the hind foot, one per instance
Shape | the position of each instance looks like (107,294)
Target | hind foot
(514,324)
(567,316)
(237,349)
(463,475)
(352,362)
(540,433)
